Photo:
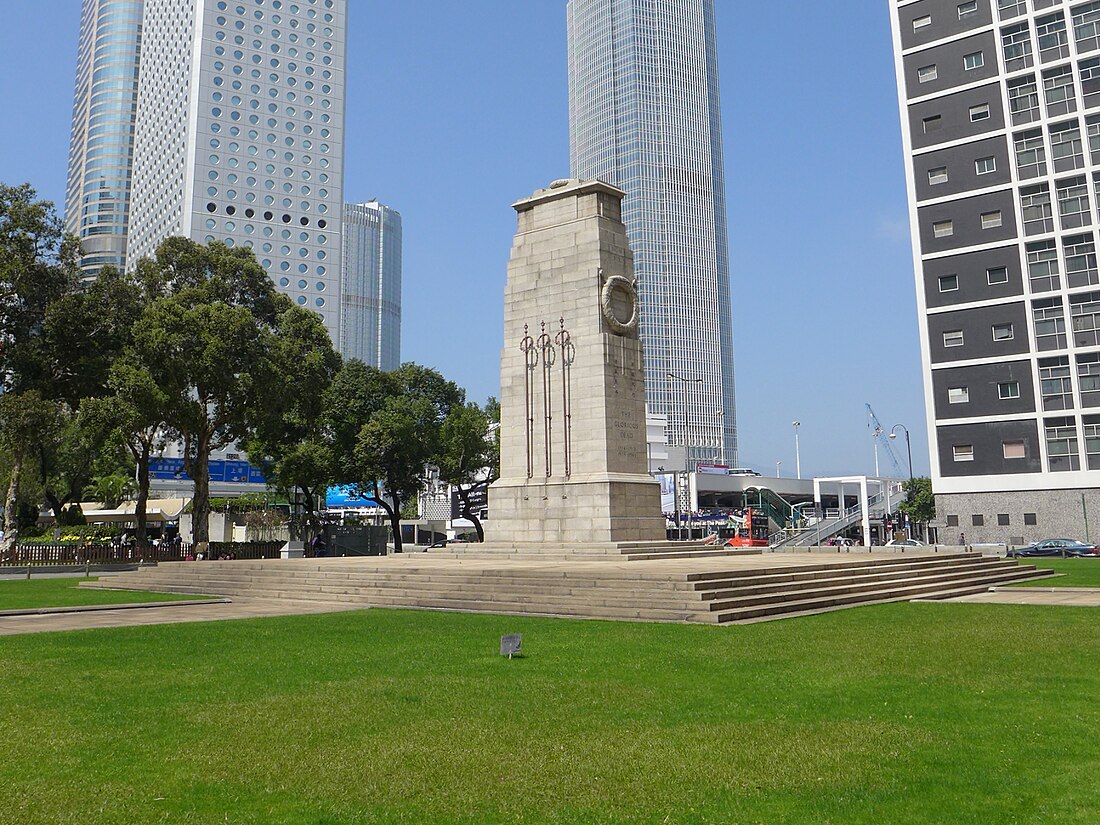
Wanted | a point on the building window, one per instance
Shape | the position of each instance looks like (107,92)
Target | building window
(1073,202)
(1031,154)
(1013,449)
(1050,324)
(1058,90)
(991,220)
(979,112)
(1002,519)
(974,60)
(958,395)
(996,275)
(963,452)
(1016,41)
(943,229)
(1090,82)
(1086,27)
(1011,8)
(1081,269)
(1030,519)
(920,22)
(937,176)
(953,338)
(1084,313)
(1092,134)
(1037,211)
(1053,41)
(1062,454)
(932,124)
(983,166)
(1055,384)
(968,8)
(952,521)
(1042,265)
(1003,332)
(1088,378)
(1023,100)
(1066,148)
(1092,441)
(926,74)
(1007,390)
(977,520)
(949,283)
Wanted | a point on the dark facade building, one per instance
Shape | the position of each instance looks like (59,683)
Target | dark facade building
(1000,103)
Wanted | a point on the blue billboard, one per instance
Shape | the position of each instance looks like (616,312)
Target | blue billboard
(222,472)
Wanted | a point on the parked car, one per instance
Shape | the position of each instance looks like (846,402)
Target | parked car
(1057,547)
(906,543)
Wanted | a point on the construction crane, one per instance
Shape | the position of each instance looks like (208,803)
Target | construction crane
(882,438)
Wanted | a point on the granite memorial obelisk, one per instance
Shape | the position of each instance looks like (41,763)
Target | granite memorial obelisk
(574,466)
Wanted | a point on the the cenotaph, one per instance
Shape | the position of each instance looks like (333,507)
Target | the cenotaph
(574,467)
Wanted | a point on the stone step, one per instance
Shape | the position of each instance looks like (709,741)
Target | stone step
(878,561)
(880,596)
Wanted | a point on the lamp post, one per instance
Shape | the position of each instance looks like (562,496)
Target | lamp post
(684,423)
(778,464)
(797,455)
(908,446)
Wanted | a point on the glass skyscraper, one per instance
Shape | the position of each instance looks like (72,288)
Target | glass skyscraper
(645,116)
(370,290)
(97,202)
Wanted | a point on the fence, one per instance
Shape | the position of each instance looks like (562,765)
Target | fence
(50,553)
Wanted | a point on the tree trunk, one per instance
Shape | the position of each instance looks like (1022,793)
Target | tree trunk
(11,510)
(200,504)
(141,505)
(394,514)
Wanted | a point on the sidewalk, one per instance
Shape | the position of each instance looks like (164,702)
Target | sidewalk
(1064,596)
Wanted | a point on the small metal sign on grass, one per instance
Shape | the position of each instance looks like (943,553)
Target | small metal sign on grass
(511,645)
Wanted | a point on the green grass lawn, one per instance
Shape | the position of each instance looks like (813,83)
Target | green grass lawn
(28,594)
(905,713)
(1077,572)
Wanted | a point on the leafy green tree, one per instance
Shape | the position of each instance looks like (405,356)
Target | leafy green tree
(385,428)
(469,454)
(25,417)
(208,346)
(919,502)
(110,490)
(72,457)
(292,443)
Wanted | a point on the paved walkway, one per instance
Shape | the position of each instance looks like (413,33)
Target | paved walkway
(239,608)
(1065,596)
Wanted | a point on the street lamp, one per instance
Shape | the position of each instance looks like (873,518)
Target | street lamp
(908,446)
(683,387)
(797,456)
(778,464)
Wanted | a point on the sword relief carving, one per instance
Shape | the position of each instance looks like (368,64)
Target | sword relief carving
(531,360)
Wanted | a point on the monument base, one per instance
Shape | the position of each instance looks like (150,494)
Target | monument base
(581,512)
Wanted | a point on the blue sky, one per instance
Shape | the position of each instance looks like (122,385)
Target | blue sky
(452,116)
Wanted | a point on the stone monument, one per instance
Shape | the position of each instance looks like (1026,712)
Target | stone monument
(574,464)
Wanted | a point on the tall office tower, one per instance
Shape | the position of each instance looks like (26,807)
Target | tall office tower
(644,115)
(1000,103)
(370,292)
(240,136)
(97,203)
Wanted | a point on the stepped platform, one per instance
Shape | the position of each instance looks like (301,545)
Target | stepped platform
(712,590)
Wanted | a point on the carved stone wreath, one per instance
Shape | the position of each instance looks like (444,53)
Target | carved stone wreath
(619,303)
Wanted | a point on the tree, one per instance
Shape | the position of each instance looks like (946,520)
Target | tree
(385,428)
(24,418)
(68,459)
(920,503)
(292,443)
(469,454)
(208,346)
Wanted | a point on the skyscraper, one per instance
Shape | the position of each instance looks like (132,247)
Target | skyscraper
(1000,103)
(240,136)
(97,203)
(644,115)
(370,293)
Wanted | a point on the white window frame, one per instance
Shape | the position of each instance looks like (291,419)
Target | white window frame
(1009,327)
(1014,443)
(943,229)
(958,395)
(942,278)
(991,220)
(963,452)
(937,176)
(926,74)
(968,8)
(989,275)
(949,339)
(970,65)
(921,22)
(1001,390)
(979,113)
(991,168)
